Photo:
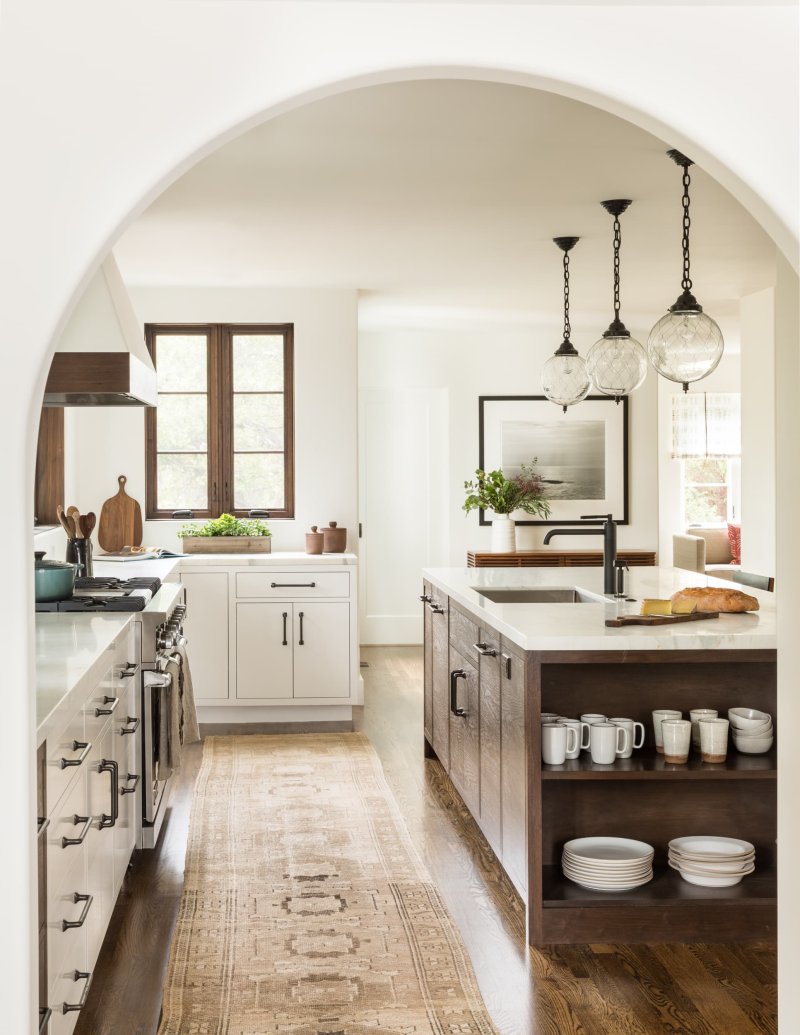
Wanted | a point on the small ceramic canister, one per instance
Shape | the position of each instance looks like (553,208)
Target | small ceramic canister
(658,717)
(314,540)
(714,739)
(335,538)
(676,734)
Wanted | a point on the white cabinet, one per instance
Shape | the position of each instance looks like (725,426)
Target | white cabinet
(292,650)
(126,752)
(206,629)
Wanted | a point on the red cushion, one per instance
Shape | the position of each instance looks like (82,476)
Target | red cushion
(735,539)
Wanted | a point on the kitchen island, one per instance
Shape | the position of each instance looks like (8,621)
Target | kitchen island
(495,661)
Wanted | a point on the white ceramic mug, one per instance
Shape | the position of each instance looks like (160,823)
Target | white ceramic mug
(631,727)
(714,739)
(586,721)
(548,717)
(605,741)
(556,738)
(695,715)
(658,717)
(574,724)
(676,735)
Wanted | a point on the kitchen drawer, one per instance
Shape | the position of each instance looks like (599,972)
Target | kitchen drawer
(65,864)
(107,700)
(293,585)
(61,750)
(464,634)
(64,947)
(64,988)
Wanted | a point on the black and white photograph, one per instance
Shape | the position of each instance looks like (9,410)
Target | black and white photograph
(571,457)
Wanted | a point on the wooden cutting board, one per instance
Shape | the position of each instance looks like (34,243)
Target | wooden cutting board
(697,616)
(120,521)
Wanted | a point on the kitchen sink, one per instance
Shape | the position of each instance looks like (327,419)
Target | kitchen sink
(540,596)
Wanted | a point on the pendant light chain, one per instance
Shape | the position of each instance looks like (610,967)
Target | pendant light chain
(617,244)
(686,283)
(567,328)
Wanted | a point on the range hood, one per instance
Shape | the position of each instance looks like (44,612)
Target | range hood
(101,359)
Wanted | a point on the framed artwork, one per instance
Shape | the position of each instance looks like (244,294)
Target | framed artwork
(582,454)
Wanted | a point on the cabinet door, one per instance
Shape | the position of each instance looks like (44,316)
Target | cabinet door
(465,730)
(206,628)
(440,680)
(100,843)
(427,708)
(321,649)
(489,672)
(126,750)
(264,648)
(513,769)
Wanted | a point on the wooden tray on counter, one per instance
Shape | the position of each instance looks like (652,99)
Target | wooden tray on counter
(697,616)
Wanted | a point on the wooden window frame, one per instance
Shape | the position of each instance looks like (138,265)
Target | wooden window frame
(220,417)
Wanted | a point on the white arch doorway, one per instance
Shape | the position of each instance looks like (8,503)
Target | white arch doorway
(57,236)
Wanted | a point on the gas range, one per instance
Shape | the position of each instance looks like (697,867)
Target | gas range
(106,594)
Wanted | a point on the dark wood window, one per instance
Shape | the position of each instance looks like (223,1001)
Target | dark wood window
(222,437)
(49,486)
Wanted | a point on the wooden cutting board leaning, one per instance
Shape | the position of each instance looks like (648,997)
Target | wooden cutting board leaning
(120,521)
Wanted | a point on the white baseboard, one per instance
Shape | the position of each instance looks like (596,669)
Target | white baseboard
(290,713)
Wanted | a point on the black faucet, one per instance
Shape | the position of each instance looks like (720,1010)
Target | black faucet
(608,529)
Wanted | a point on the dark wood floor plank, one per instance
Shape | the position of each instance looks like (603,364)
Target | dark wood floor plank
(556,990)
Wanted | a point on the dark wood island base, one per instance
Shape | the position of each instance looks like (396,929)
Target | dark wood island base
(484,697)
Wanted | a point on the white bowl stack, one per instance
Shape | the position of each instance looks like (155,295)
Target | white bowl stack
(712,862)
(752,730)
(607,863)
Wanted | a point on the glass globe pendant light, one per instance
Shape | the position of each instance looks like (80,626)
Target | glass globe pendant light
(564,378)
(617,363)
(685,345)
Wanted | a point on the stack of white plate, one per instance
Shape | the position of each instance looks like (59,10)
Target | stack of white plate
(712,862)
(607,863)
(752,730)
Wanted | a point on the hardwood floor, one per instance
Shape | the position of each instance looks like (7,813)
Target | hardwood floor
(563,990)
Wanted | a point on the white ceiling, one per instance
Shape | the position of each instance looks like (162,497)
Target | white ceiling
(443,196)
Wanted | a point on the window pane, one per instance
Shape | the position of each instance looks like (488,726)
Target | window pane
(182,423)
(257,363)
(182,362)
(706,506)
(182,481)
(257,423)
(706,471)
(258,481)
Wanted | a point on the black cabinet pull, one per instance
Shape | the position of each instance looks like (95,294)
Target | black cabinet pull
(87,826)
(45,1013)
(436,609)
(76,898)
(84,746)
(425,599)
(109,766)
(285,617)
(136,722)
(130,790)
(455,675)
(507,659)
(43,824)
(485,650)
(130,668)
(109,705)
(292,585)
(79,975)
(301,641)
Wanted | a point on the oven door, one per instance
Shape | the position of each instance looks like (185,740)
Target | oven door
(154,797)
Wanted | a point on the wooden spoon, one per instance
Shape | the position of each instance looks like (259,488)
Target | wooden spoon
(89,521)
(66,522)
(75,514)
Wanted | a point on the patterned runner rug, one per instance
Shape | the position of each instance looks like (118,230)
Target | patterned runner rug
(306,909)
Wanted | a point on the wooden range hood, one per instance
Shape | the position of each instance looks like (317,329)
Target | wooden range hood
(101,358)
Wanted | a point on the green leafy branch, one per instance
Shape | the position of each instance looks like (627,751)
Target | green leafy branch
(493,491)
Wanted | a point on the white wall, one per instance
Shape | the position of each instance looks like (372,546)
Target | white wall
(104,442)
(758,317)
(488,359)
(101,140)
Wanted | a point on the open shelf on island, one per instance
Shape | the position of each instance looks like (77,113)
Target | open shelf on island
(666,886)
(647,764)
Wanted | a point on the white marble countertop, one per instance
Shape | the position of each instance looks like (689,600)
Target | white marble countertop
(289,558)
(159,568)
(581,626)
(70,662)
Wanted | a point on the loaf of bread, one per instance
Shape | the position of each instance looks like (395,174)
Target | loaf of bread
(713,599)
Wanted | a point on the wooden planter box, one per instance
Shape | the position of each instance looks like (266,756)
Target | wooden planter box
(227,544)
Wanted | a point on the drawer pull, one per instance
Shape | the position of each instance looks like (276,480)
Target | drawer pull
(111,703)
(130,790)
(435,609)
(135,720)
(507,659)
(87,825)
(455,675)
(484,650)
(66,925)
(128,671)
(79,975)
(285,641)
(84,746)
(301,642)
(292,585)
(42,825)
(425,598)
(112,768)
(45,1013)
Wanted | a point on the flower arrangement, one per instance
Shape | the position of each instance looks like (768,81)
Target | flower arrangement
(225,524)
(495,492)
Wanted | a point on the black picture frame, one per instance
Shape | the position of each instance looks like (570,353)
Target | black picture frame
(621,415)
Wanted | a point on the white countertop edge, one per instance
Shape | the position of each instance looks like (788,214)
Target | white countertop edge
(580,627)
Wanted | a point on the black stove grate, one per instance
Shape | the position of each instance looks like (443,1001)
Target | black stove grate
(94,604)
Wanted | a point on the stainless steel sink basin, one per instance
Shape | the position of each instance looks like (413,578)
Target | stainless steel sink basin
(539,596)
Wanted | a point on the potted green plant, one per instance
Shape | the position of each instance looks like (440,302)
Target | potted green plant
(493,491)
(226,534)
